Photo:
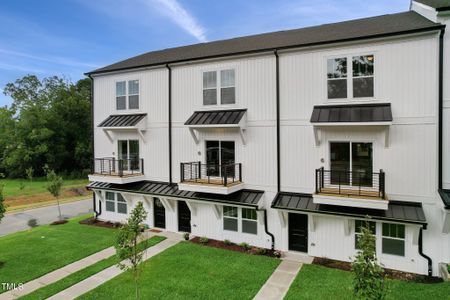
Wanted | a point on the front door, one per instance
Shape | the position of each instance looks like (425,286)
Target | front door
(298,232)
(159,213)
(184,217)
(220,153)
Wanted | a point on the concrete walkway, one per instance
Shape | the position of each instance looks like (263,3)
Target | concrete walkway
(58,274)
(94,281)
(277,286)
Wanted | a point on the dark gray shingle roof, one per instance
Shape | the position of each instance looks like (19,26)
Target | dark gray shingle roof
(373,27)
(216,117)
(445,196)
(439,5)
(352,113)
(122,120)
(244,197)
(399,211)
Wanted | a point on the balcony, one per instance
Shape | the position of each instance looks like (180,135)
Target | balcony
(351,188)
(211,178)
(119,171)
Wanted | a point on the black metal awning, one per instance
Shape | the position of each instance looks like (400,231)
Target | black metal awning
(243,197)
(445,196)
(398,211)
(128,120)
(216,117)
(358,113)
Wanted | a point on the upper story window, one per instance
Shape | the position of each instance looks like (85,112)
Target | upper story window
(213,93)
(359,85)
(127,95)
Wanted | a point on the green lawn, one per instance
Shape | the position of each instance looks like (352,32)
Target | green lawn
(66,282)
(317,282)
(29,254)
(38,185)
(191,271)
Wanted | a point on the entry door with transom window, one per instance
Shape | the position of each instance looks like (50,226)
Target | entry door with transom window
(220,155)
(351,163)
(129,152)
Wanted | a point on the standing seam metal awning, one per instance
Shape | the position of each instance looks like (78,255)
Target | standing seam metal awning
(244,197)
(129,120)
(398,211)
(216,117)
(357,113)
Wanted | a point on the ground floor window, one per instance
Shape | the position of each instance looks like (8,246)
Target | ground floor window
(359,224)
(393,241)
(115,203)
(233,216)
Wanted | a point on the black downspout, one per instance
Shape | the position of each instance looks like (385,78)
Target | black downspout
(277,72)
(441,105)
(170,122)
(94,205)
(266,229)
(430,262)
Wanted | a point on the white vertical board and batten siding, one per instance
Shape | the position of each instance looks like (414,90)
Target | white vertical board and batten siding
(153,94)
(413,135)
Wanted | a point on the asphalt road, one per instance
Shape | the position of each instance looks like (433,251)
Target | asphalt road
(45,215)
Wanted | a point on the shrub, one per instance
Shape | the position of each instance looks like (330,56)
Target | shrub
(186,236)
(245,246)
(277,254)
(227,242)
(21,185)
(261,251)
(204,240)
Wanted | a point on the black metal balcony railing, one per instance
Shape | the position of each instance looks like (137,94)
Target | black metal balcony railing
(118,167)
(214,174)
(351,183)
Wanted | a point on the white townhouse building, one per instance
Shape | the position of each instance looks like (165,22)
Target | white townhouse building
(288,140)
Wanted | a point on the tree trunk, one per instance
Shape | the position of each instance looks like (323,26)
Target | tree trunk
(59,209)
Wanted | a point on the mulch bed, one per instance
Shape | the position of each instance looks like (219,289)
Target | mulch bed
(234,247)
(391,274)
(155,230)
(94,222)
(59,222)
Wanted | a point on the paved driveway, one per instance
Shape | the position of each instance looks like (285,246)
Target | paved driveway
(45,215)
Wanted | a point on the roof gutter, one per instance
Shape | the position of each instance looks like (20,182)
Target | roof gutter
(430,262)
(375,36)
(277,72)
(441,107)
(170,121)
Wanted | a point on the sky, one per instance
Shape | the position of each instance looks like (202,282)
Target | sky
(70,37)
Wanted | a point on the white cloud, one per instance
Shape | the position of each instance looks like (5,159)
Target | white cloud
(180,16)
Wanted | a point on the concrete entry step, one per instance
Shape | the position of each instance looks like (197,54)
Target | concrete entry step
(297,256)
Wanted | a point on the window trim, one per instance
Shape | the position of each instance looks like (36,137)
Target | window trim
(219,87)
(350,78)
(229,217)
(394,238)
(116,201)
(240,219)
(127,95)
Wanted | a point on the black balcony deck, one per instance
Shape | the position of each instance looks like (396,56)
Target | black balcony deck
(211,174)
(110,166)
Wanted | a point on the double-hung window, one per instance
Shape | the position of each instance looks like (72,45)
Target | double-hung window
(249,221)
(359,224)
(361,82)
(393,241)
(213,93)
(230,218)
(127,95)
(247,218)
(115,203)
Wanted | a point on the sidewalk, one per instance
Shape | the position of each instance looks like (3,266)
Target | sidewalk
(96,280)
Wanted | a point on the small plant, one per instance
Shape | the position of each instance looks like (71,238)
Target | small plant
(54,186)
(29,171)
(261,251)
(21,185)
(186,236)
(204,240)
(245,246)
(277,254)
(227,242)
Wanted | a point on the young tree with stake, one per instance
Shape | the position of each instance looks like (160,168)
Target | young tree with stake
(54,186)
(128,239)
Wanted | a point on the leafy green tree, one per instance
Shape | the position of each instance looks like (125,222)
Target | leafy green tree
(369,278)
(128,239)
(54,186)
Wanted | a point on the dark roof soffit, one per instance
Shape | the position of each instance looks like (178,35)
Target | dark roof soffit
(398,211)
(358,113)
(244,197)
(216,117)
(128,120)
(353,30)
(445,196)
(438,5)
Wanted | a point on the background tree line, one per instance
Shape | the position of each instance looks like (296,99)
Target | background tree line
(48,124)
